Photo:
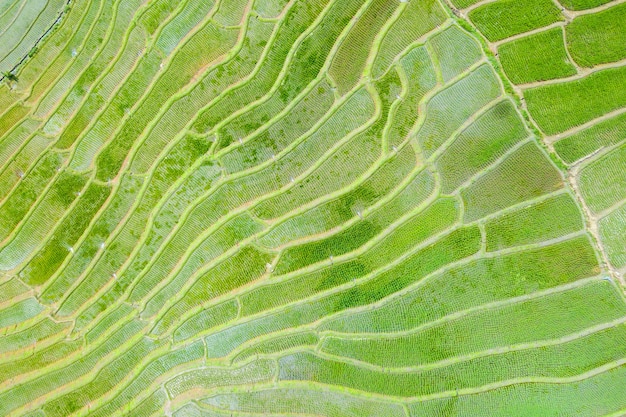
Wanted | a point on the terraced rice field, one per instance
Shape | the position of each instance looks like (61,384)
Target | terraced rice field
(572,74)
(312,208)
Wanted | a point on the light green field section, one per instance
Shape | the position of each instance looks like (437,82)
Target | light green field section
(307,208)
(22,25)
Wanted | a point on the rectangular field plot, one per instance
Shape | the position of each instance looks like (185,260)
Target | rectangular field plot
(562,106)
(598,38)
(537,57)
(603,134)
(541,221)
(504,18)
(603,182)
(612,233)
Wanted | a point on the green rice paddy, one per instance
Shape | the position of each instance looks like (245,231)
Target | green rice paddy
(312,208)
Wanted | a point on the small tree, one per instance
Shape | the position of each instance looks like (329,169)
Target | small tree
(10,76)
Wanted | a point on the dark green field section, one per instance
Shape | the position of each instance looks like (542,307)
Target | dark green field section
(311,208)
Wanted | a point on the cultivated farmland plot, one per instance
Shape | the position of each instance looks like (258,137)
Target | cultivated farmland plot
(332,208)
